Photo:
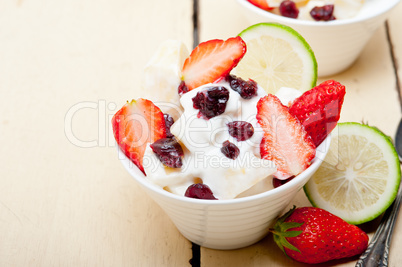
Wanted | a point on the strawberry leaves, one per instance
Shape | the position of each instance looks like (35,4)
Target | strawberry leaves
(280,231)
(313,235)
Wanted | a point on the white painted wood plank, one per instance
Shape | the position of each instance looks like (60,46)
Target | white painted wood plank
(394,25)
(65,200)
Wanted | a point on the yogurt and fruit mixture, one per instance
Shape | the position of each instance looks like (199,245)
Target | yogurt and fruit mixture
(227,137)
(318,10)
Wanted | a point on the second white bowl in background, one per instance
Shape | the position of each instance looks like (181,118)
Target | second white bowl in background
(336,44)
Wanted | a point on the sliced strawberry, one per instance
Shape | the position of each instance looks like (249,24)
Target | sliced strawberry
(319,109)
(135,125)
(211,61)
(261,4)
(285,142)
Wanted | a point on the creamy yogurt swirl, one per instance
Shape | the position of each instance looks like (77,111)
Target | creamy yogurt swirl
(202,139)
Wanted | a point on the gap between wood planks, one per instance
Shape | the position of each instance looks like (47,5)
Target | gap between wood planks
(195,261)
(394,63)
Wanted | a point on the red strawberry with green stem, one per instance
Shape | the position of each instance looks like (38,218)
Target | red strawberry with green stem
(285,142)
(137,124)
(313,235)
(211,61)
(319,109)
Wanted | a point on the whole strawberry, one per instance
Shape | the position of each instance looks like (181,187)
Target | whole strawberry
(313,235)
(319,109)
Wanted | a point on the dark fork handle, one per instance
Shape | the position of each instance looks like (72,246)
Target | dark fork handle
(377,252)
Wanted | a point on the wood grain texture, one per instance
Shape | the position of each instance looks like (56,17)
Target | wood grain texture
(394,23)
(371,97)
(66,67)
(394,26)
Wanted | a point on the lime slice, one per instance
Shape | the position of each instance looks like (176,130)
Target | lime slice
(277,56)
(359,178)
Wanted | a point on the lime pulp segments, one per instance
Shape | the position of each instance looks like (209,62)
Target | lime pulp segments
(277,56)
(360,176)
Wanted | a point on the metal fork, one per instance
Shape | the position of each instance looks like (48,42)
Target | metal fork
(377,252)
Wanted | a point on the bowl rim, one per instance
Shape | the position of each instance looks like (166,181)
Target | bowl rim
(134,171)
(387,6)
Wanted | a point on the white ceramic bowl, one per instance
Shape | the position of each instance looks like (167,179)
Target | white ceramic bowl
(226,224)
(336,44)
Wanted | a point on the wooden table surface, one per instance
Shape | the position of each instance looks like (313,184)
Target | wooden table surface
(65,69)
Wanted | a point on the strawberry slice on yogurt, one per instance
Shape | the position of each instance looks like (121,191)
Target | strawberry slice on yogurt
(211,61)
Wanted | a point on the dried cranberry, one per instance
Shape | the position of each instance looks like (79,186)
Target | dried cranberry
(277,182)
(324,13)
(168,123)
(246,89)
(182,89)
(230,150)
(169,152)
(288,9)
(211,102)
(200,191)
(241,130)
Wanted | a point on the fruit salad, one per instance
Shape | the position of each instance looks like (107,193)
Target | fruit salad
(315,10)
(227,137)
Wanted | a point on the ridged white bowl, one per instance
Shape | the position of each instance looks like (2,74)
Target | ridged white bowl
(336,44)
(226,224)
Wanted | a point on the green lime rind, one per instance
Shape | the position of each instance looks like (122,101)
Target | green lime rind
(256,29)
(394,165)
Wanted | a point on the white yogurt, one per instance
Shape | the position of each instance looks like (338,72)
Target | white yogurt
(343,9)
(202,140)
